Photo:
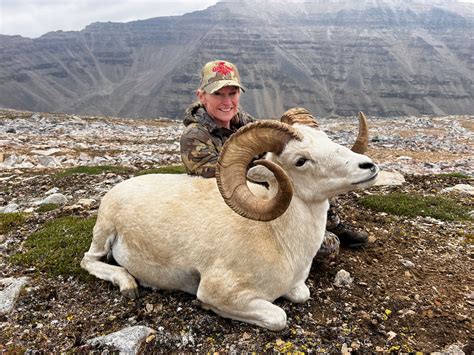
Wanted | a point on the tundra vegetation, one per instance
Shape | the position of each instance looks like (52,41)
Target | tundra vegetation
(56,249)
(11,221)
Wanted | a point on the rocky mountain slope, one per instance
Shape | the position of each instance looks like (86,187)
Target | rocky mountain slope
(385,57)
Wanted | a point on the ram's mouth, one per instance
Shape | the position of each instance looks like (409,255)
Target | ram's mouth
(375,172)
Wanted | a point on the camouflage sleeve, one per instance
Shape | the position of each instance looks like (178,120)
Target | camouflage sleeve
(198,152)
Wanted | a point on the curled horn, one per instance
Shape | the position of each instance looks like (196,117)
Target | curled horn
(236,155)
(303,116)
(299,115)
(362,141)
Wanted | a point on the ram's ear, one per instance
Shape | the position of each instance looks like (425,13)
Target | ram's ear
(260,174)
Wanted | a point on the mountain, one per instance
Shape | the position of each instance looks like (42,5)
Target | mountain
(385,57)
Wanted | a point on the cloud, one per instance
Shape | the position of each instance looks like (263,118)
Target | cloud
(32,18)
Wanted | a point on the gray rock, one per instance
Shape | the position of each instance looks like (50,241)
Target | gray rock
(453,349)
(12,160)
(48,161)
(407,263)
(86,202)
(388,178)
(127,340)
(10,208)
(57,198)
(10,294)
(460,188)
(52,191)
(51,151)
(343,278)
(25,165)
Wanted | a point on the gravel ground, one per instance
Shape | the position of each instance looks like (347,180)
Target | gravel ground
(412,288)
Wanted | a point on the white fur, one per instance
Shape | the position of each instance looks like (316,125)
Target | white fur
(176,232)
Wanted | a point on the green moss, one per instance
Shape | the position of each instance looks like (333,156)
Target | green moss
(454,175)
(172,169)
(11,221)
(93,170)
(57,248)
(47,207)
(415,205)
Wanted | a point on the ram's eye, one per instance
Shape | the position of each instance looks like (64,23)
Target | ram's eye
(301,161)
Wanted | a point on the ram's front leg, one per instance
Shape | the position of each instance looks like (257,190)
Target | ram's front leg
(298,294)
(216,297)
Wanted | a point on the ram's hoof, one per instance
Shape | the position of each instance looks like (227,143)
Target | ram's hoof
(131,293)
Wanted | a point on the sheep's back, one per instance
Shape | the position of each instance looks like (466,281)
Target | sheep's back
(177,212)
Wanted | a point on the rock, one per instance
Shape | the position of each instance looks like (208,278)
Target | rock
(343,278)
(47,161)
(407,312)
(10,294)
(187,339)
(127,340)
(391,335)
(51,151)
(389,178)
(11,130)
(453,349)
(86,202)
(2,157)
(345,350)
(407,263)
(113,181)
(57,198)
(10,208)
(25,165)
(52,191)
(12,160)
(464,189)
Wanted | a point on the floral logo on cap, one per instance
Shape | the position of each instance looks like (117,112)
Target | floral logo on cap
(223,69)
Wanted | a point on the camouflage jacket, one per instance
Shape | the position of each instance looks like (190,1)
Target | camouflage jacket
(202,140)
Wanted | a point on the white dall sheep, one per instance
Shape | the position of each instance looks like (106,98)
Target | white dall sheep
(177,232)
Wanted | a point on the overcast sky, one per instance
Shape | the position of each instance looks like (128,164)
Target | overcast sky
(32,18)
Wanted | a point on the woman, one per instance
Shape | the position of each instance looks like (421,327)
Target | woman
(214,118)
(210,121)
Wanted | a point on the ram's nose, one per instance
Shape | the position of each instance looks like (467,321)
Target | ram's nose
(368,165)
(373,168)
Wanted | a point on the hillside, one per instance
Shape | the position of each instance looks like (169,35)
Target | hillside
(384,57)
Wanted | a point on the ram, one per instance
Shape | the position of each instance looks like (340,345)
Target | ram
(178,232)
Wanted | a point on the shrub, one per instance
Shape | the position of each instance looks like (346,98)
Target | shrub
(454,175)
(47,207)
(172,169)
(413,205)
(10,221)
(58,247)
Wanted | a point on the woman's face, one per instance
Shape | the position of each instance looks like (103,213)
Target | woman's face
(221,105)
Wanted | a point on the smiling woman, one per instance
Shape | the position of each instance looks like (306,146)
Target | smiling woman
(213,119)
